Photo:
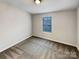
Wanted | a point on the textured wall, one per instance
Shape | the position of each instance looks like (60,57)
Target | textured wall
(78,28)
(64,27)
(15,26)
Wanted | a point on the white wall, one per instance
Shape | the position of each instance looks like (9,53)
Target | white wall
(64,27)
(15,26)
(78,28)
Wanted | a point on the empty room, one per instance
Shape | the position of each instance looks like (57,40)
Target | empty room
(39,29)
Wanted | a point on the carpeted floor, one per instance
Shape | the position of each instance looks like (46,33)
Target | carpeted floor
(37,48)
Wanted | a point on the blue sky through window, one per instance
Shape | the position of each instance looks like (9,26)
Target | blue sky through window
(47,24)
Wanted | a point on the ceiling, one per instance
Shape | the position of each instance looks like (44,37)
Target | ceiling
(45,6)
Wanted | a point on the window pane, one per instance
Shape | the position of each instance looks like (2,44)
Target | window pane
(47,24)
(47,28)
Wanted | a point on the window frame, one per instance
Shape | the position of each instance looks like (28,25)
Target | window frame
(47,24)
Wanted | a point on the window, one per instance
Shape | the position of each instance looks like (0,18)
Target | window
(47,24)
